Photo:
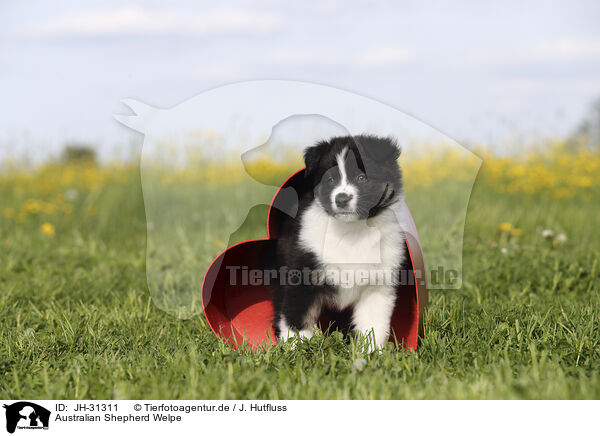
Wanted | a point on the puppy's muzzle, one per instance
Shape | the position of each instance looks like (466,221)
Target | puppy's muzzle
(342,200)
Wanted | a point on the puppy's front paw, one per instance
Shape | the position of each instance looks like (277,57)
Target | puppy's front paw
(288,333)
(374,348)
(373,343)
(305,333)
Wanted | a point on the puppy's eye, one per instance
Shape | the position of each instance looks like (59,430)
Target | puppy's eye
(330,180)
(361,178)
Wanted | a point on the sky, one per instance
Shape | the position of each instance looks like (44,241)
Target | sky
(499,74)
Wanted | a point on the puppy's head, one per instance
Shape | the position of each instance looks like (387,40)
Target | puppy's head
(354,177)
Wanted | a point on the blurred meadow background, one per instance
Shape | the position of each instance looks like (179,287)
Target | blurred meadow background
(76,316)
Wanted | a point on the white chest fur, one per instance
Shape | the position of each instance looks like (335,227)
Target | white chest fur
(357,251)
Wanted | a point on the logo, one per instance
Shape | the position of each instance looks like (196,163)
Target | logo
(26,415)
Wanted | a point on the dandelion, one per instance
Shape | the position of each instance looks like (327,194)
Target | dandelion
(504,250)
(516,232)
(47,208)
(505,227)
(359,364)
(547,234)
(31,206)
(560,239)
(48,229)
(71,194)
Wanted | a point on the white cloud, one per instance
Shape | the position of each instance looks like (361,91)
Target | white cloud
(562,50)
(378,57)
(128,20)
(296,58)
(220,71)
(384,56)
(568,49)
(530,86)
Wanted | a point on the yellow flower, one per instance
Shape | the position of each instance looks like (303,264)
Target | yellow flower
(47,208)
(505,227)
(31,206)
(516,232)
(48,229)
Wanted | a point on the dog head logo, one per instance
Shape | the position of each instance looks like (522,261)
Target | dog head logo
(228,128)
(26,415)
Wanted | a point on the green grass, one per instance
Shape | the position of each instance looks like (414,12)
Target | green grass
(76,319)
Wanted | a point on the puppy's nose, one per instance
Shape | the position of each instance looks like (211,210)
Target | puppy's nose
(342,199)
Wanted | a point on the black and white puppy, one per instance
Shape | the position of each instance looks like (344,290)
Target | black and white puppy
(348,225)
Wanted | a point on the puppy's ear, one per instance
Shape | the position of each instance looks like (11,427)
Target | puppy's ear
(312,158)
(379,149)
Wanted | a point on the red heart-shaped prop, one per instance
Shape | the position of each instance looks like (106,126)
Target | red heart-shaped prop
(241,312)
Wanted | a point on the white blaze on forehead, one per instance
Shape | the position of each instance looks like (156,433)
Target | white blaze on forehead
(340,158)
(344,187)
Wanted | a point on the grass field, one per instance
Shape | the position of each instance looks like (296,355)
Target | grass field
(76,319)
